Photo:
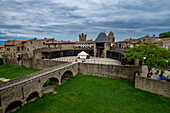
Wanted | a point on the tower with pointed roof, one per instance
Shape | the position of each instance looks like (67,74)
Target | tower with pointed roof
(111,38)
(101,45)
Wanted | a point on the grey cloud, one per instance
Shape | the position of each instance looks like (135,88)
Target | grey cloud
(60,19)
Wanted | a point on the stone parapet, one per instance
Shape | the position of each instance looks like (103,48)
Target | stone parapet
(154,86)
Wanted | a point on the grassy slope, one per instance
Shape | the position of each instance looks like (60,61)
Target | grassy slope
(10,71)
(89,94)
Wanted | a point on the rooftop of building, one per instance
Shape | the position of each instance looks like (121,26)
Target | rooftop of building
(59,42)
(164,39)
(13,42)
(16,42)
(132,41)
(84,42)
(1,46)
(102,38)
(45,39)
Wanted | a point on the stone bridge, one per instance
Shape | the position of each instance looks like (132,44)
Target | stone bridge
(17,92)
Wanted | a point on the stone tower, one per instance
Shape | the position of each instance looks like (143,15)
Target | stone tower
(111,38)
(82,37)
(101,45)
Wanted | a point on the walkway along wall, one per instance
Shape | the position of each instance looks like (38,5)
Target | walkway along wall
(109,71)
(153,86)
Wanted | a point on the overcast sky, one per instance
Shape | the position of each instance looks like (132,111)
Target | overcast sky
(66,19)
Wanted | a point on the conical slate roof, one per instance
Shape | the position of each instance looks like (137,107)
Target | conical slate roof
(102,38)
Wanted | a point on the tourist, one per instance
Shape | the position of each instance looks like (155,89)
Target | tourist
(148,75)
(157,72)
(159,78)
(163,77)
(138,72)
(168,78)
(151,73)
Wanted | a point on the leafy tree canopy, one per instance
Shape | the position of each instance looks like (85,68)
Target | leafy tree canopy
(164,34)
(150,54)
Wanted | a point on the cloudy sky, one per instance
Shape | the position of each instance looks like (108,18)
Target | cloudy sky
(66,19)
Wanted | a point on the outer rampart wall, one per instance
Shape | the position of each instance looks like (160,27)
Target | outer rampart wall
(153,86)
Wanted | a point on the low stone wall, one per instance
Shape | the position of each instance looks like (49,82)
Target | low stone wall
(153,86)
(47,63)
(109,71)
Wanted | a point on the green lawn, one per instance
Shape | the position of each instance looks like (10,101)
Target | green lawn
(10,71)
(89,94)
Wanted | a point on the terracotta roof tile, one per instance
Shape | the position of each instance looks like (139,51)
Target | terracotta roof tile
(84,42)
(133,41)
(45,39)
(59,42)
(165,38)
(126,40)
(14,42)
(2,46)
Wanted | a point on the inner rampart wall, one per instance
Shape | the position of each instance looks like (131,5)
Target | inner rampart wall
(109,71)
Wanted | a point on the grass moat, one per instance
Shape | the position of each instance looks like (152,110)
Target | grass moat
(10,71)
(90,94)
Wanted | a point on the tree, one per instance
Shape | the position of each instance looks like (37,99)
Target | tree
(164,34)
(150,54)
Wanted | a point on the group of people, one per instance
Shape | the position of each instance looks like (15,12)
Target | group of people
(162,77)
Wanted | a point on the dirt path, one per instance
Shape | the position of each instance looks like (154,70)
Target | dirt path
(4,79)
(48,89)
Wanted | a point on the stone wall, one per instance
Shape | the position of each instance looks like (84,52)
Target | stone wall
(27,62)
(109,71)
(47,63)
(41,63)
(153,86)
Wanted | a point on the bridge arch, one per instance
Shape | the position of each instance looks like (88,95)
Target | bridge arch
(51,81)
(32,96)
(13,106)
(49,84)
(66,75)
